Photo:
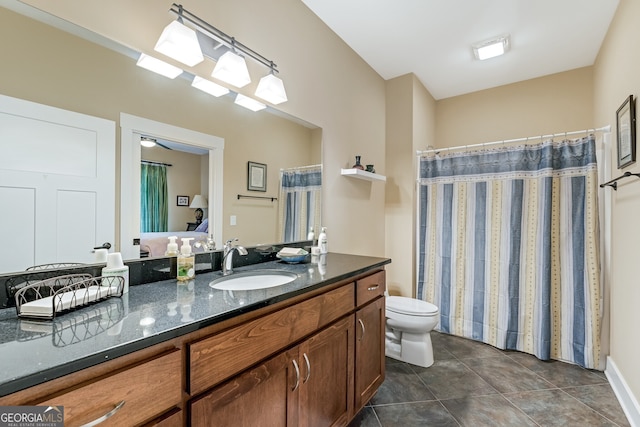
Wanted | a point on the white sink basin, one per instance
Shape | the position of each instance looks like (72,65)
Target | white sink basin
(247,281)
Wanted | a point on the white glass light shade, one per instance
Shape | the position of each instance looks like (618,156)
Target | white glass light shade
(180,42)
(147,142)
(232,69)
(208,86)
(491,48)
(249,103)
(271,89)
(157,66)
(199,201)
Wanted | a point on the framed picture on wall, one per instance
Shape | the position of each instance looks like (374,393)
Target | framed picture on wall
(626,133)
(256,176)
(183,201)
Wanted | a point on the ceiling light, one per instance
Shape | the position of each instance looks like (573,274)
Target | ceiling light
(232,68)
(208,86)
(249,103)
(228,53)
(145,141)
(157,66)
(491,48)
(271,89)
(180,42)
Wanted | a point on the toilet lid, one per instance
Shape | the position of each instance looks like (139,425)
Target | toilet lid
(411,306)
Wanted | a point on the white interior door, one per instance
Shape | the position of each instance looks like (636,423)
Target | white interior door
(57,184)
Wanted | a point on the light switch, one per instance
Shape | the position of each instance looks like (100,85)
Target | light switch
(233,220)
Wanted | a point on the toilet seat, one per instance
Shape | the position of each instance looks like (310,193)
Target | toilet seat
(410,306)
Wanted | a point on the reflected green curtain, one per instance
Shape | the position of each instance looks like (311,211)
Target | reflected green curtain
(154,211)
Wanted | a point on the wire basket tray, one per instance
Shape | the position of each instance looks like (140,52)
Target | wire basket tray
(49,297)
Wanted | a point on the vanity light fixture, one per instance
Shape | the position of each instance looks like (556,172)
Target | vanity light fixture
(180,42)
(228,53)
(158,66)
(208,86)
(145,141)
(232,68)
(491,48)
(271,89)
(249,103)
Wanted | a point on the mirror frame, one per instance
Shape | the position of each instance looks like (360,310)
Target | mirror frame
(130,156)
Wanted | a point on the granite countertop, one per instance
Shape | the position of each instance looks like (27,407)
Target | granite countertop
(33,351)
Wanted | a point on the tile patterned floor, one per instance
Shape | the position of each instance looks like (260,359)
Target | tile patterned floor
(474,384)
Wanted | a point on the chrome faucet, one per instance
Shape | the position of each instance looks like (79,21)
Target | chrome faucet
(227,258)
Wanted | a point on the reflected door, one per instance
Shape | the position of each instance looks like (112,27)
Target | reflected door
(57,173)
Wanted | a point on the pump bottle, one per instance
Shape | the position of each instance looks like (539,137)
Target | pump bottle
(186,261)
(172,246)
(322,240)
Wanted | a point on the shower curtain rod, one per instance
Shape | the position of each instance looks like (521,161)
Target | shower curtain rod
(509,141)
(301,167)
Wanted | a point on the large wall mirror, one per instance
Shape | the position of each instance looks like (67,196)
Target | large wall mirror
(76,71)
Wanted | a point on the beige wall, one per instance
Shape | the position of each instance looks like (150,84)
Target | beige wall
(326,82)
(616,76)
(410,124)
(556,103)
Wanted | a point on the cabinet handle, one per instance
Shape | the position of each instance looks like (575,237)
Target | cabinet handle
(295,365)
(373,288)
(363,329)
(105,416)
(306,359)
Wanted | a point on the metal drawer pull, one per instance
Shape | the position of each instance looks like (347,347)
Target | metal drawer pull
(306,359)
(295,365)
(373,288)
(105,416)
(363,330)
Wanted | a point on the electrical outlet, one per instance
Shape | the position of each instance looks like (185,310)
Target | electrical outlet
(232,220)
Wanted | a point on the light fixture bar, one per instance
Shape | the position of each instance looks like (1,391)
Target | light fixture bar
(228,41)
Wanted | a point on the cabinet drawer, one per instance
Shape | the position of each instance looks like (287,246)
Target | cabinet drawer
(227,353)
(147,390)
(370,287)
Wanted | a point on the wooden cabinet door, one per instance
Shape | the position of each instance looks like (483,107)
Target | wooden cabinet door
(266,395)
(369,358)
(326,365)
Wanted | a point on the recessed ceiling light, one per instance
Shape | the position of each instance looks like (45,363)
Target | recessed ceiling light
(491,48)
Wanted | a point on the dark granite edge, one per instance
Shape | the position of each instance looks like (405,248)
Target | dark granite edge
(70,367)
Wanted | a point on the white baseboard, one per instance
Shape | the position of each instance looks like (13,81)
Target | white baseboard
(627,400)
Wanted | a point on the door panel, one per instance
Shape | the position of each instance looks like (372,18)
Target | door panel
(63,164)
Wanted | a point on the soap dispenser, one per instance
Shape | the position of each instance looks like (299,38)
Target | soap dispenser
(186,261)
(322,241)
(172,246)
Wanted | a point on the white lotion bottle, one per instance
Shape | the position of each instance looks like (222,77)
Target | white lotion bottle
(172,246)
(322,240)
(115,267)
(186,261)
(311,235)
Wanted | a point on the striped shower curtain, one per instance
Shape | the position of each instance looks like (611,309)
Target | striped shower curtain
(509,247)
(300,202)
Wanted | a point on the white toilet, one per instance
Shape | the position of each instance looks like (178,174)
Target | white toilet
(408,330)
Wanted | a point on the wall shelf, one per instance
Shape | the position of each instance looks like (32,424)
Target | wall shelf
(360,174)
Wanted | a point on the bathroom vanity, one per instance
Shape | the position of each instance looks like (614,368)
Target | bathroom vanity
(310,352)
